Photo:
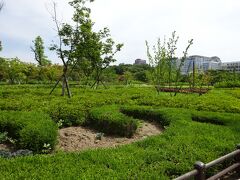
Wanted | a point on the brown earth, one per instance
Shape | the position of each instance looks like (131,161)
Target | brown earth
(7,147)
(82,138)
(183,90)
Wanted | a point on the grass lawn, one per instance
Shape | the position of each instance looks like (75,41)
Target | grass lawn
(196,128)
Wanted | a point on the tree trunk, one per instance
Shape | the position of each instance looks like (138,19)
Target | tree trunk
(193,75)
(65,84)
(98,80)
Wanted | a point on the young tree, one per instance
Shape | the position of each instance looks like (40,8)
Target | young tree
(128,77)
(171,58)
(165,68)
(38,50)
(72,40)
(79,46)
(159,63)
(178,73)
(14,69)
(105,52)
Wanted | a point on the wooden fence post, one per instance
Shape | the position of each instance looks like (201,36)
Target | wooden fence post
(238,160)
(201,167)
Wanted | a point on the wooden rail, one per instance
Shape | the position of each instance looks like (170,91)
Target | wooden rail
(200,169)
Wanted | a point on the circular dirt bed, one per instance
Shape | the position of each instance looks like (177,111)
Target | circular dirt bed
(82,138)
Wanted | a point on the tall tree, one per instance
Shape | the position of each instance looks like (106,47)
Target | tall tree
(71,39)
(38,50)
(79,45)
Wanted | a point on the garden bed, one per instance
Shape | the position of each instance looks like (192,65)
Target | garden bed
(82,138)
(184,90)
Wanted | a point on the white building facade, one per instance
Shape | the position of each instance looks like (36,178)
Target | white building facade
(231,66)
(201,64)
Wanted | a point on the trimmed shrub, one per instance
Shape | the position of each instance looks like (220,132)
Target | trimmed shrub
(208,117)
(31,130)
(110,120)
(70,115)
(160,157)
(146,113)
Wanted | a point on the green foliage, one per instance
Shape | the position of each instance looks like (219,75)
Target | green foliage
(223,76)
(3,137)
(38,51)
(202,135)
(227,84)
(12,70)
(68,114)
(80,47)
(146,113)
(24,98)
(129,72)
(31,130)
(110,120)
(166,68)
(141,76)
(15,71)
(165,156)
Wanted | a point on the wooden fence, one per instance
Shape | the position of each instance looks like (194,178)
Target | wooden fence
(200,169)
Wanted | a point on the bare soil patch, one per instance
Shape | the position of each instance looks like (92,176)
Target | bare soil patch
(6,147)
(82,138)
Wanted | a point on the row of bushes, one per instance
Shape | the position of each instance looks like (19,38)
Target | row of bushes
(75,111)
(35,131)
(30,130)
(160,157)
(228,84)
(146,113)
(110,120)
(35,99)
(67,114)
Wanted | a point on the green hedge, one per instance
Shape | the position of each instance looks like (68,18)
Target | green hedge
(31,130)
(110,120)
(69,114)
(227,84)
(166,156)
(146,113)
(24,98)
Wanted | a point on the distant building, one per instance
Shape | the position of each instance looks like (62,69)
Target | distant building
(140,61)
(231,66)
(201,64)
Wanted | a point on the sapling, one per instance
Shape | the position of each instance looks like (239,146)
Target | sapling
(165,68)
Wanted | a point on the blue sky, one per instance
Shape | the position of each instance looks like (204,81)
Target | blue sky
(213,24)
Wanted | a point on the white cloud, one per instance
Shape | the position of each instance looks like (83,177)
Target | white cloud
(213,25)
